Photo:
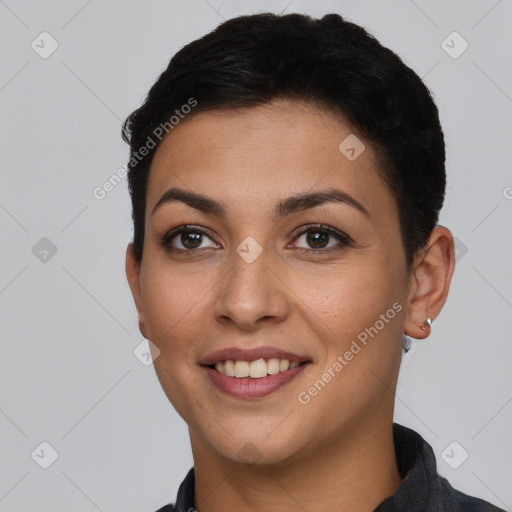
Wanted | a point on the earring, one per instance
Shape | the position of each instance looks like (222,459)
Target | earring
(428,323)
(406,343)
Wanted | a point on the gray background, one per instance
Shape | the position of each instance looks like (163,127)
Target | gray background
(68,372)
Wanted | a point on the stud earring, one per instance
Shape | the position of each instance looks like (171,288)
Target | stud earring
(406,340)
(428,323)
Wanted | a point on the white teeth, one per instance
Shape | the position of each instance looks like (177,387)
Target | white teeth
(229,368)
(242,369)
(273,366)
(254,369)
(258,369)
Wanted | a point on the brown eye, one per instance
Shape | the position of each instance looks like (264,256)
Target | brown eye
(321,239)
(186,239)
(317,239)
(190,240)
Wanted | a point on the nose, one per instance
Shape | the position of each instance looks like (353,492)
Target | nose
(251,294)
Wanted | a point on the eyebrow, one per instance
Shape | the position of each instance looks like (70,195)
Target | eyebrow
(285,207)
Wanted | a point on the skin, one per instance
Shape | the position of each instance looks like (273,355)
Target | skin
(337,450)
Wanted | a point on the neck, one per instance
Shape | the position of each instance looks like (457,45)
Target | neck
(355,471)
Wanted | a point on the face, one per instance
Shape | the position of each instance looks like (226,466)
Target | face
(292,251)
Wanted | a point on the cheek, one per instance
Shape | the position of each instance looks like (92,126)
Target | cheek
(346,298)
(360,350)
(174,311)
(173,305)
(357,314)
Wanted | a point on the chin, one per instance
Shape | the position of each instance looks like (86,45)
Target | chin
(256,447)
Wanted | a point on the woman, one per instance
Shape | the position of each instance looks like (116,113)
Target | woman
(286,176)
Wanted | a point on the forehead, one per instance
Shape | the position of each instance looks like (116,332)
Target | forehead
(267,151)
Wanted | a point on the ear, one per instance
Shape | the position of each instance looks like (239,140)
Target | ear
(429,282)
(133,274)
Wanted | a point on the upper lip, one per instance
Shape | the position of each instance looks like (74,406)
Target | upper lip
(252,354)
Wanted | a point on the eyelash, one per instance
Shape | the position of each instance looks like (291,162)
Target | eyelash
(343,239)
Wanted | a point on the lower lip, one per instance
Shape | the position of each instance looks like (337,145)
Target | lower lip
(252,388)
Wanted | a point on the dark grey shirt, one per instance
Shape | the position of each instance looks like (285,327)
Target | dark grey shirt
(421,490)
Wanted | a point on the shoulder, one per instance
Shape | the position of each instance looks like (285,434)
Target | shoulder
(422,485)
(461,502)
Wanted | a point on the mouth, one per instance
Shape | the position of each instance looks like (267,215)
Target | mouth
(252,373)
(257,369)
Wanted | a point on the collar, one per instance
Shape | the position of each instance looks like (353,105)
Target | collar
(420,488)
